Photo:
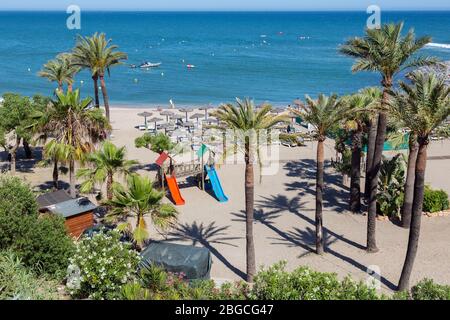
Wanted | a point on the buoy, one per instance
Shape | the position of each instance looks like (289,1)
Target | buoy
(162,74)
(81,81)
(29,69)
(136,80)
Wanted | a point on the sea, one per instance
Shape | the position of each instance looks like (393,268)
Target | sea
(272,57)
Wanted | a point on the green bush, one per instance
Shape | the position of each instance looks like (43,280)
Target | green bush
(104,265)
(17,282)
(156,143)
(45,246)
(391,183)
(435,200)
(428,290)
(345,165)
(16,195)
(41,243)
(156,284)
(303,283)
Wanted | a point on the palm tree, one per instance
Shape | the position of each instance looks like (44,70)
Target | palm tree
(75,127)
(371,129)
(358,121)
(60,70)
(422,107)
(323,114)
(141,199)
(386,51)
(106,162)
(408,191)
(246,122)
(97,54)
(55,151)
(355,124)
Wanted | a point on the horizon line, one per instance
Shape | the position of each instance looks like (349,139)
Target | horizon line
(228,10)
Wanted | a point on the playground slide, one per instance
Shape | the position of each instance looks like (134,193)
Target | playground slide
(175,191)
(215,183)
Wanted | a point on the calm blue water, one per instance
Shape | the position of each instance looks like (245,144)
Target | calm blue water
(258,55)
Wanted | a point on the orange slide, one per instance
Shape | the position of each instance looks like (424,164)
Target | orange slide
(174,190)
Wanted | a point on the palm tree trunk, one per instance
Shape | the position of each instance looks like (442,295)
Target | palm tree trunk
(13,153)
(55,174)
(375,169)
(369,156)
(72,181)
(414,232)
(374,175)
(97,99)
(249,214)
(105,96)
(27,148)
(109,184)
(319,197)
(409,183)
(70,87)
(355,185)
(224,144)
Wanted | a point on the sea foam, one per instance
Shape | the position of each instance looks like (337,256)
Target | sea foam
(439,45)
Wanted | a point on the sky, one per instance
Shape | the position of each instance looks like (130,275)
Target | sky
(195,5)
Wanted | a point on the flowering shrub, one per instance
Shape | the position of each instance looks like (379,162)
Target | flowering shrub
(101,266)
(305,284)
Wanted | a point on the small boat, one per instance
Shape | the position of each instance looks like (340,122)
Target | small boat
(190,66)
(149,65)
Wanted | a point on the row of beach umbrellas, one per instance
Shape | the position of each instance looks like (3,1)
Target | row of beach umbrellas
(196,116)
(173,116)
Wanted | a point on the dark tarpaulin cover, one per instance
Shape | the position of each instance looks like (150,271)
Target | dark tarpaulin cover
(194,262)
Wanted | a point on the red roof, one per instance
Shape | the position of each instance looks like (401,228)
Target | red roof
(161,159)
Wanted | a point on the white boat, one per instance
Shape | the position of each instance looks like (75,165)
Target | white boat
(149,65)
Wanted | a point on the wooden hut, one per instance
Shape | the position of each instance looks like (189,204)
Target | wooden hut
(78,213)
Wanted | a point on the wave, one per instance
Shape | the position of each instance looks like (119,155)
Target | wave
(439,45)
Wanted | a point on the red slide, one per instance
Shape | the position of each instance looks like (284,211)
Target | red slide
(175,191)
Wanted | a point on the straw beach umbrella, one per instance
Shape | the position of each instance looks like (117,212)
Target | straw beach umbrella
(186,111)
(197,116)
(206,108)
(145,114)
(167,113)
(155,120)
(165,126)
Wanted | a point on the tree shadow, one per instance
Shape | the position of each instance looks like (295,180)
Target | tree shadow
(298,235)
(145,167)
(23,164)
(281,203)
(48,185)
(306,238)
(266,218)
(335,193)
(206,235)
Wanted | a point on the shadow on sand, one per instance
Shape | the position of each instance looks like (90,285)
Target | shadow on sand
(206,235)
(303,238)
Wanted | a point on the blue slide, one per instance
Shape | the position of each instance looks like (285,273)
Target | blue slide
(215,183)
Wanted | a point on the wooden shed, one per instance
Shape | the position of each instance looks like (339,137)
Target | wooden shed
(79,213)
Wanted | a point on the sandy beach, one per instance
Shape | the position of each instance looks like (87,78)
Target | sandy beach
(284,226)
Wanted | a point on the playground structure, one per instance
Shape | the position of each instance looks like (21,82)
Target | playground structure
(168,175)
